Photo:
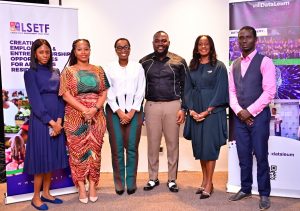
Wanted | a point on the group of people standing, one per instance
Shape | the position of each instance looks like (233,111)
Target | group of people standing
(71,105)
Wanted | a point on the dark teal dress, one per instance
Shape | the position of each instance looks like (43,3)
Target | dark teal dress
(207,86)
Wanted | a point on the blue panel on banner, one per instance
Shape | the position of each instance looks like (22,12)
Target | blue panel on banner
(23,183)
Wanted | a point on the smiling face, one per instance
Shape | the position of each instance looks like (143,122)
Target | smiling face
(122,49)
(82,51)
(161,44)
(42,54)
(203,47)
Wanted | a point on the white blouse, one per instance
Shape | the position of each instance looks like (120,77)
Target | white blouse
(126,81)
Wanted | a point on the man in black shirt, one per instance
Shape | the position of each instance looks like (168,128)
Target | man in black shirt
(164,110)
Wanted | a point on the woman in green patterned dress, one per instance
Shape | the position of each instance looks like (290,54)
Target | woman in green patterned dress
(84,88)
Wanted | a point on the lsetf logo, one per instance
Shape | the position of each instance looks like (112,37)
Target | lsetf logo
(29,28)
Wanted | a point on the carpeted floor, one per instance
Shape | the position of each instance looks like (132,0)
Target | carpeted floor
(160,198)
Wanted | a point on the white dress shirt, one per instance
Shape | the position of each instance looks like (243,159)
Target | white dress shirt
(126,81)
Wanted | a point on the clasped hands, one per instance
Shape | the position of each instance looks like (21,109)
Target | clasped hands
(125,118)
(198,117)
(88,115)
(56,126)
(246,117)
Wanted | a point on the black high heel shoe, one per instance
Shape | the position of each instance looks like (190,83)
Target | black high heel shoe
(200,190)
(205,195)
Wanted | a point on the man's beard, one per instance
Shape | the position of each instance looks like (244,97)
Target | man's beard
(161,54)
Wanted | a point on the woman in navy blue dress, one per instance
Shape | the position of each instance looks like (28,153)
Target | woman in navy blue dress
(46,149)
(206,96)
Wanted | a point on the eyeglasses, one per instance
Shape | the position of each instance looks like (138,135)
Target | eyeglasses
(120,48)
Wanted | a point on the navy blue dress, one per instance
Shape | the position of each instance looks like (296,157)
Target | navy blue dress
(43,152)
(208,87)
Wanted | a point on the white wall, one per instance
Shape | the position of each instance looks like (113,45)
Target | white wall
(103,21)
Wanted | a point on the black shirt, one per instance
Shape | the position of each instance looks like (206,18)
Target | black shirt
(164,79)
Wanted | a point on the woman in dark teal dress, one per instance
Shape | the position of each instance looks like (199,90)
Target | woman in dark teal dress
(206,96)
(46,145)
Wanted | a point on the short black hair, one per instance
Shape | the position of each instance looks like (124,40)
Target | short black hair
(249,28)
(122,38)
(158,32)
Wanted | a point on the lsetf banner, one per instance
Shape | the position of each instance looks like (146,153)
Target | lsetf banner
(278,28)
(20,25)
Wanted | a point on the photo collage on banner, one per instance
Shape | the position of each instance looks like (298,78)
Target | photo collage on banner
(279,39)
(21,24)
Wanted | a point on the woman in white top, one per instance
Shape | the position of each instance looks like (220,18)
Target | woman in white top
(124,115)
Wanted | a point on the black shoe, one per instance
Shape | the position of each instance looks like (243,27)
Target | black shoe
(200,190)
(131,191)
(264,203)
(172,186)
(205,195)
(151,184)
(119,192)
(239,195)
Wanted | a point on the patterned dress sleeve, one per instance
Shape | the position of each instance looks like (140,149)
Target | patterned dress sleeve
(66,82)
(35,99)
(104,84)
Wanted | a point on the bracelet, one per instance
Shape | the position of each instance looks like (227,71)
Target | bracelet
(209,112)
(97,109)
